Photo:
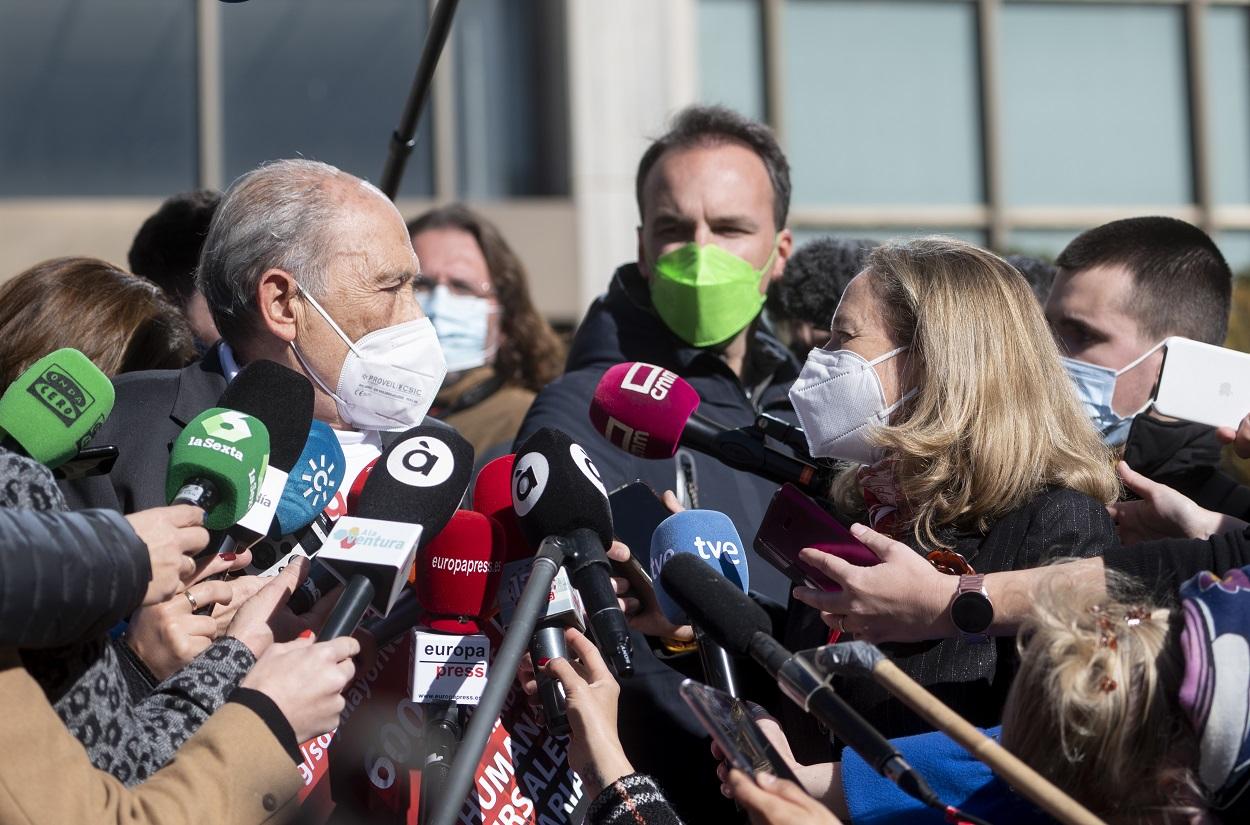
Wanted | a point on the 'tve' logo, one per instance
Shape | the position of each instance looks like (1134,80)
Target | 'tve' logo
(716,549)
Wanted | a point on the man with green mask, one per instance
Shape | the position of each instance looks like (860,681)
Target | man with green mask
(713,195)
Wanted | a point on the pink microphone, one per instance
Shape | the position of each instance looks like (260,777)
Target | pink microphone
(643,409)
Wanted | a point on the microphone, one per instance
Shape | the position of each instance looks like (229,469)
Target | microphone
(492,496)
(742,627)
(557,493)
(710,537)
(649,412)
(55,407)
(321,579)
(408,497)
(458,573)
(282,400)
(314,479)
(358,486)
(217,463)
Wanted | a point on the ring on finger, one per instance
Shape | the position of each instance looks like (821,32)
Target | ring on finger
(842,624)
(195,605)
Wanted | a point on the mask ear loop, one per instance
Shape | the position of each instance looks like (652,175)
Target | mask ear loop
(1153,390)
(320,311)
(300,357)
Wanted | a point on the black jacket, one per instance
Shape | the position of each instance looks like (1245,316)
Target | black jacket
(622,326)
(1163,566)
(1186,456)
(152,407)
(67,576)
(657,729)
(970,678)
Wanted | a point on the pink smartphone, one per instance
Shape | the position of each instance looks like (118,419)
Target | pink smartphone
(795,521)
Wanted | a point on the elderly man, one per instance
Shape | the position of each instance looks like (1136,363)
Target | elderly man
(307,266)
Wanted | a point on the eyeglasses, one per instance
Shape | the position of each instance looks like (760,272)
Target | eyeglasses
(425,282)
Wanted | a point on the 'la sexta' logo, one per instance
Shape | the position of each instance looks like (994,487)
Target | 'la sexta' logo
(61,394)
(228,425)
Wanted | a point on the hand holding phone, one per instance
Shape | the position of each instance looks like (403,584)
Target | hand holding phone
(795,521)
(735,732)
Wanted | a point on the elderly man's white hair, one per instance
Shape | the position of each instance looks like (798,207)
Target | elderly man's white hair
(281,215)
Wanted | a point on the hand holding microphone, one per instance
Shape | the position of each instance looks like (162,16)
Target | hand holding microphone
(306,681)
(174,535)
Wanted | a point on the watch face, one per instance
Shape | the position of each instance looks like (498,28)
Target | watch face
(972,612)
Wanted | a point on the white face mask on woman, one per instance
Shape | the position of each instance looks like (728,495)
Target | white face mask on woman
(389,377)
(839,400)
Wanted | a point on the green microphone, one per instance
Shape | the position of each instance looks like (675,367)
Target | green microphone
(217,464)
(55,407)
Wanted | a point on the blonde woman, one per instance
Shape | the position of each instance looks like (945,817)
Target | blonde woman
(943,390)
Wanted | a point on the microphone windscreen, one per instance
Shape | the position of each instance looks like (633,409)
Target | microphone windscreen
(458,572)
(358,487)
(56,406)
(556,489)
(492,496)
(420,479)
(315,478)
(282,399)
(714,603)
(708,536)
(642,408)
(228,448)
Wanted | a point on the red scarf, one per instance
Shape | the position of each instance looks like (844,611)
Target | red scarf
(882,498)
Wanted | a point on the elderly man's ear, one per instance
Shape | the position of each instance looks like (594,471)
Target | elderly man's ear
(276,295)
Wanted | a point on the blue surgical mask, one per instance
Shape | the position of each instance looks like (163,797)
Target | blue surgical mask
(462,323)
(1095,387)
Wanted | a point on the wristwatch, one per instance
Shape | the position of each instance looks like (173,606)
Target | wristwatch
(971,609)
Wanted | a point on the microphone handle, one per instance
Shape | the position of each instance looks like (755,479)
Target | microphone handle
(548,643)
(590,572)
(746,452)
(350,608)
(441,732)
(718,668)
(403,616)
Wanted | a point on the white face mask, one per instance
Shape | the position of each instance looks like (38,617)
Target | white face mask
(838,399)
(389,377)
(463,326)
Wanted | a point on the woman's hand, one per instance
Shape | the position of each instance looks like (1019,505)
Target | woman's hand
(772,801)
(650,620)
(168,635)
(902,599)
(1163,513)
(595,750)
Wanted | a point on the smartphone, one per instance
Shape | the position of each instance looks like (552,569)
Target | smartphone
(636,512)
(729,722)
(1203,383)
(794,521)
(93,461)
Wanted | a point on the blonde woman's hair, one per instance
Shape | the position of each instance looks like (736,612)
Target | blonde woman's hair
(994,420)
(1094,706)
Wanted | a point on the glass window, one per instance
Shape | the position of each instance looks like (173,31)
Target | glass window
(97,98)
(1236,249)
(322,79)
(1228,79)
(731,55)
(512,98)
(882,102)
(1094,104)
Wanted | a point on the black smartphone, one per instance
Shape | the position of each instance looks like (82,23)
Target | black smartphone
(93,461)
(729,722)
(636,512)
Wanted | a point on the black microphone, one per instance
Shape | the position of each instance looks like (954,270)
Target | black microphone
(742,627)
(282,399)
(414,489)
(557,492)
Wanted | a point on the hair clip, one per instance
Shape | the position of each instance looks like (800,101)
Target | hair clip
(1135,615)
(1106,633)
(1107,684)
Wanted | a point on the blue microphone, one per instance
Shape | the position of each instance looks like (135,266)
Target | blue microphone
(315,478)
(709,536)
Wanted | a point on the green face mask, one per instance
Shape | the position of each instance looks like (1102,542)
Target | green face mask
(707,295)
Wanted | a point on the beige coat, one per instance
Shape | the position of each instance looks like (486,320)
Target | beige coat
(232,770)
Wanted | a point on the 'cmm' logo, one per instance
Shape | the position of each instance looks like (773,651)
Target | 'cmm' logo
(61,394)
(228,425)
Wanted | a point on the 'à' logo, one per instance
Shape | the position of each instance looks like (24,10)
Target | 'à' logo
(421,461)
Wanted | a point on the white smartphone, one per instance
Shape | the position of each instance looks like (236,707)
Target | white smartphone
(1203,383)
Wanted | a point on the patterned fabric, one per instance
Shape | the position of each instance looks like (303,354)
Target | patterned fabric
(632,800)
(1214,692)
(881,497)
(27,484)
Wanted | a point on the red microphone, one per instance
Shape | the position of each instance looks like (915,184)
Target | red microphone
(492,496)
(353,495)
(458,572)
(649,412)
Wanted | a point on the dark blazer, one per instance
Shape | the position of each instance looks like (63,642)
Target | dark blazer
(152,407)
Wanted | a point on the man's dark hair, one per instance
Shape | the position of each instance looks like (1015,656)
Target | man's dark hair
(1038,272)
(713,125)
(1181,283)
(815,277)
(166,249)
